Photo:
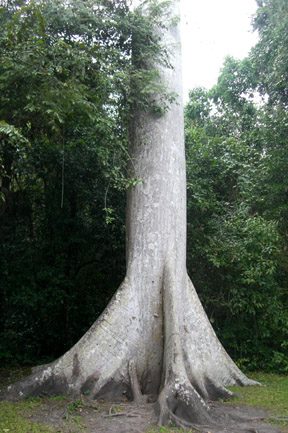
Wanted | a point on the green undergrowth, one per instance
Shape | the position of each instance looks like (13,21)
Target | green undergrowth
(273,396)
(17,417)
(13,418)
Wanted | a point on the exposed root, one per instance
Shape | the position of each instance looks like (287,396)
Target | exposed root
(191,376)
(180,403)
(137,395)
(178,399)
(129,414)
(30,385)
(195,369)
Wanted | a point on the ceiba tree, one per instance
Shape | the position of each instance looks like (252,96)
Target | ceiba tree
(154,337)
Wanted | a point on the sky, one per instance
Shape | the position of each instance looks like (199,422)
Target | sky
(211,30)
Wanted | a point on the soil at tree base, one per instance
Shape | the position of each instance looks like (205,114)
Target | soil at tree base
(82,415)
(75,416)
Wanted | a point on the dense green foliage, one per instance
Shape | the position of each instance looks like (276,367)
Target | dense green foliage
(68,87)
(270,54)
(59,133)
(237,194)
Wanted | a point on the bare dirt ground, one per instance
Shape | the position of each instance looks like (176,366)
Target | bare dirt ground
(70,415)
(76,416)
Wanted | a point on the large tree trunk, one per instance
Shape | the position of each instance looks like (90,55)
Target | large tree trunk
(154,330)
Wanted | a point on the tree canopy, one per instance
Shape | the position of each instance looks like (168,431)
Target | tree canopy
(236,141)
(67,85)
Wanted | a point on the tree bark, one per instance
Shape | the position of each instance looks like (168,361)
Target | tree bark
(154,337)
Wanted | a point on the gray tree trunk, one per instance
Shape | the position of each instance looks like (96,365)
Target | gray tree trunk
(154,336)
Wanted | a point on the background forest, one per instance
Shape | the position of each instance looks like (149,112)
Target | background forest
(67,84)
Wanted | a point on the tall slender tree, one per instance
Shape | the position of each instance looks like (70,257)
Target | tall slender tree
(154,337)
